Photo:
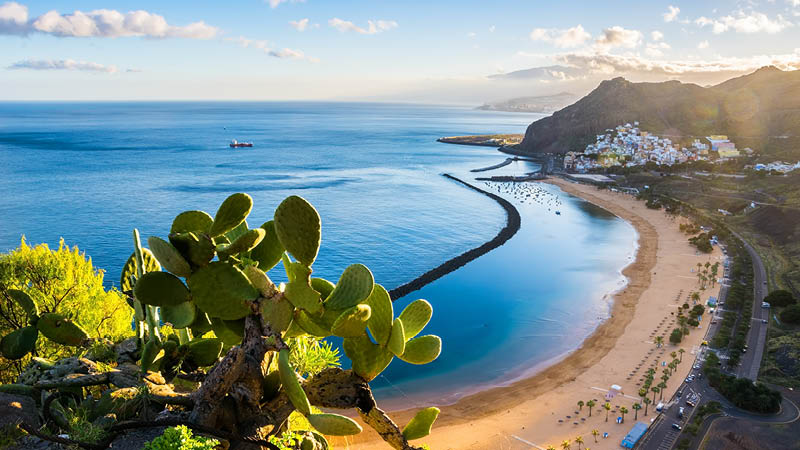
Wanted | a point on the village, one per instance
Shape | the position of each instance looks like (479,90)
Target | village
(628,146)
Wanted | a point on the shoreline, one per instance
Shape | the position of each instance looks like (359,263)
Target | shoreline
(523,406)
(513,222)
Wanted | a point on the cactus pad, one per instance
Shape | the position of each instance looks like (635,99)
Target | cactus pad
(291,385)
(129,269)
(19,342)
(24,301)
(415,317)
(369,359)
(352,322)
(397,339)
(201,324)
(334,424)
(380,323)
(181,315)
(197,249)
(323,286)
(420,425)
(169,257)
(302,295)
(268,252)
(277,312)
(205,352)
(422,350)
(149,353)
(188,221)
(231,213)
(160,289)
(298,227)
(311,324)
(61,330)
(222,290)
(223,330)
(354,286)
(244,243)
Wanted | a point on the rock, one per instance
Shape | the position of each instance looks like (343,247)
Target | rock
(127,350)
(17,408)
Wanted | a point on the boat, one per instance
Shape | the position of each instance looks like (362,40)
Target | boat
(237,144)
(558,213)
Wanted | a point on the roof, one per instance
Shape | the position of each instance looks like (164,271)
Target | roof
(633,436)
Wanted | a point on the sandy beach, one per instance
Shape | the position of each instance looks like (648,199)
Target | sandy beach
(542,410)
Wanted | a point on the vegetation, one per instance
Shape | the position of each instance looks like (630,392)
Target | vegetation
(256,346)
(791,314)
(180,438)
(59,283)
(702,242)
(742,392)
(780,298)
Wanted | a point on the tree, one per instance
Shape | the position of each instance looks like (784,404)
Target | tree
(607,407)
(681,351)
(780,298)
(579,441)
(566,444)
(636,407)
(550,447)
(791,314)
(695,297)
(676,336)
(673,355)
(64,282)
(659,341)
(595,432)
(662,387)
(590,404)
(646,403)
(623,410)
(655,390)
(580,405)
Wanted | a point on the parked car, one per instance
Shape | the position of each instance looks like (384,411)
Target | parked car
(679,393)
(763,320)
(676,426)
(690,403)
(680,412)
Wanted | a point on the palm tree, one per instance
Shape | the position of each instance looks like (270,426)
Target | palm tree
(590,404)
(550,447)
(643,393)
(623,411)
(566,445)
(674,355)
(646,402)
(655,390)
(607,407)
(595,432)
(695,297)
(579,441)
(580,405)
(659,341)
(681,351)
(636,407)
(663,387)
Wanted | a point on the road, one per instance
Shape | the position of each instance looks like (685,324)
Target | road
(757,336)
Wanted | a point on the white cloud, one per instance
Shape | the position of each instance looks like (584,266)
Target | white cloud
(98,23)
(62,64)
(745,22)
(705,44)
(566,38)
(287,53)
(264,46)
(299,25)
(276,3)
(671,14)
(657,35)
(492,28)
(618,37)
(373,26)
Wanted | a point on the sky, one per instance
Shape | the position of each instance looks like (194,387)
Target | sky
(432,51)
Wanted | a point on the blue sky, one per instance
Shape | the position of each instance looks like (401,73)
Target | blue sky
(434,50)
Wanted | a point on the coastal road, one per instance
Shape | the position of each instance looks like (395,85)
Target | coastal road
(757,336)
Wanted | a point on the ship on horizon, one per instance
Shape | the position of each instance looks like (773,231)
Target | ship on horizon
(237,144)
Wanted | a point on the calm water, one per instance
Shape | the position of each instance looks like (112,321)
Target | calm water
(90,172)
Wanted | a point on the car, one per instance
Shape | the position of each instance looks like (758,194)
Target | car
(676,426)
(679,393)
(680,412)
(696,366)
(690,403)
(763,320)
(744,350)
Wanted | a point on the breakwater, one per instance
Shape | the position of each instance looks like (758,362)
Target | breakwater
(513,223)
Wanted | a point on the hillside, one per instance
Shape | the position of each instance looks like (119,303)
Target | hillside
(761,110)
(545,104)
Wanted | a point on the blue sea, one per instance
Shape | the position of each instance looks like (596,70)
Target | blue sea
(91,172)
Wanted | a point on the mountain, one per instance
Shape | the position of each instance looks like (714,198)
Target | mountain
(538,73)
(753,110)
(539,104)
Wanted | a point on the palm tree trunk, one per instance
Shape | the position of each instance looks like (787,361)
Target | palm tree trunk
(636,415)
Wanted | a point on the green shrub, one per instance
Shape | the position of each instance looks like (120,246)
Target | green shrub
(180,438)
(62,281)
(676,336)
(791,314)
(780,298)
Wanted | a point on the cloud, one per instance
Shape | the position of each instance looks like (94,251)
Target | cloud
(98,23)
(264,46)
(492,28)
(657,35)
(655,49)
(275,3)
(705,44)
(618,37)
(566,38)
(62,64)
(299,25)
(373,26)
(671,14)
(745,22)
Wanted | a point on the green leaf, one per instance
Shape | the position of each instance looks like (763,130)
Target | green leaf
(181,315)
(192,221)
(233,211)
(352,322)
(380,323)
(222,290)
(169,257)
(354,286)
(334,424)
(268,252)
(420,425)
(291,385)
(415,317)
(397,339)
(61,330)
(422,350)
(160,289)
(24,301)
(19,342)
(368,359)
(298,227)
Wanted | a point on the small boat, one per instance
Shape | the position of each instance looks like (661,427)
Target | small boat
(237,144)
(558,213)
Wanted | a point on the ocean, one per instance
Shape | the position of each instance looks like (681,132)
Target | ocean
(91,172)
